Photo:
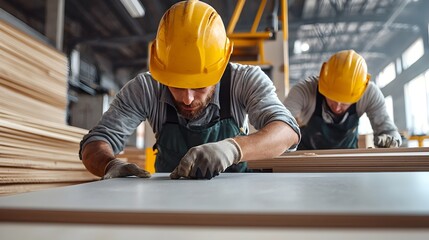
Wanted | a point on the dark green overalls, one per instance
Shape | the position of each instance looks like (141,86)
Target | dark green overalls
(175,140)
(318,134)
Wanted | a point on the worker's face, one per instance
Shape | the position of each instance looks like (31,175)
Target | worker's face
(191,102)
(337,107)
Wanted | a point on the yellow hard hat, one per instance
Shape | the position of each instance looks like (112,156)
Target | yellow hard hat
(344,77)
(191,49)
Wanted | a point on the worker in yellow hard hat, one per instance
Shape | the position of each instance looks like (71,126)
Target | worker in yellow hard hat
(327,108)
(197,103)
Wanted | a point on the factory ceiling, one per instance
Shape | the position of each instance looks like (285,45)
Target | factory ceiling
(379,30)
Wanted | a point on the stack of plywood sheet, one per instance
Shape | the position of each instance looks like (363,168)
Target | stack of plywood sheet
(134,155)
(144,158)
(32,75)
(37,149)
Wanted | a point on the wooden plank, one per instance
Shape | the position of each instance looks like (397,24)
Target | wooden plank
(13,152)
(20,175)
(46,50)
(9,189)
(33,136)
(4,136)
(25,106)
(31,49)
(41,164)
(39,74)
(40,148)
(357,151)
(38,92)
(348,161)
(38,123)
(40,132)
(45,125)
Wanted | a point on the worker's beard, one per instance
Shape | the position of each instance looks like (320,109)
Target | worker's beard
(198,106)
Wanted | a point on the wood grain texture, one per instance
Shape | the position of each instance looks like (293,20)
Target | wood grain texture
(37,149)
(348,160)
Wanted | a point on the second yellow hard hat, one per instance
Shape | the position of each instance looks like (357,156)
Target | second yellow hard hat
(344,77)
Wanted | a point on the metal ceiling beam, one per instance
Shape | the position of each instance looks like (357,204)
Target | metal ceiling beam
(342,19)
(296,8)
(155,10)
(389,22)
(363,6)
(335,5)
(54,22)
(397,27)
(122,12)
(88,19)
(318,56)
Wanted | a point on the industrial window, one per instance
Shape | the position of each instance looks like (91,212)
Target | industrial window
(386,76)
(417,104)
(365,124)
(398,66)
(413,53)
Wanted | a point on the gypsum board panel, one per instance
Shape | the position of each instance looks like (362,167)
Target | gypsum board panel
(311,200)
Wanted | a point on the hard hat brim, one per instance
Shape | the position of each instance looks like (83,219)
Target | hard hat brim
(187,80)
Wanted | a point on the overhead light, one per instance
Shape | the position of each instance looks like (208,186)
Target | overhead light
(300,47)
(134,8)
(305,47)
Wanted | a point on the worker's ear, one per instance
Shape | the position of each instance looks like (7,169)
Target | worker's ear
(322,70)
(368,77)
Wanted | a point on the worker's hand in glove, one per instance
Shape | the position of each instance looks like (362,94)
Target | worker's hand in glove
(386,141)
(208,160)
(117,169)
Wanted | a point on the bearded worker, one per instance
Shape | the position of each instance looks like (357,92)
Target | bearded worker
(197,102)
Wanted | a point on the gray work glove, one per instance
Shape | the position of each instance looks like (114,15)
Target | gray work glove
(386,141)
(117,169)
(208,160)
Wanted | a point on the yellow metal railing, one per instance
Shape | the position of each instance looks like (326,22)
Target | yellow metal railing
(246,43)
(419,138)
(249,39)
(150,160)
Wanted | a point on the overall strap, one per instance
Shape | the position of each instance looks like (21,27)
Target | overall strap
(225,93)
(171,114)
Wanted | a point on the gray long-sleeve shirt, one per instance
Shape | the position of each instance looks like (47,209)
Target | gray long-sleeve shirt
(253,99)
(301,101)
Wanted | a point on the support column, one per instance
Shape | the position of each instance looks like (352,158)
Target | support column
(54,25)
(285,26)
